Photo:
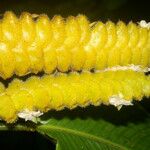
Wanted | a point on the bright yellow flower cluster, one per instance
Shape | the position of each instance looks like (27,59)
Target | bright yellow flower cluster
(70,90)
(29,44)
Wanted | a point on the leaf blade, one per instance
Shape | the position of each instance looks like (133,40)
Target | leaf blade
(86,132)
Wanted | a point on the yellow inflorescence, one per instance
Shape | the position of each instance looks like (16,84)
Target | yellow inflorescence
(62,90)
(29,44)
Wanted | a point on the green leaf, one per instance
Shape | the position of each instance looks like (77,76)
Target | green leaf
(94,128)
(99,128)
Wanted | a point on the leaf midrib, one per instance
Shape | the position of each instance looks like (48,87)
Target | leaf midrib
(98,139)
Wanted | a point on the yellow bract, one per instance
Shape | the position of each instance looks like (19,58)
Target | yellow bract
(70,90)
(30,44)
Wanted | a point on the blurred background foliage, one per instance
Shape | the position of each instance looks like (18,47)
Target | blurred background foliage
(115,10)
(104,10)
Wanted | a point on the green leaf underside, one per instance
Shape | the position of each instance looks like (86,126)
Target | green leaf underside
(101,128)
(97,128)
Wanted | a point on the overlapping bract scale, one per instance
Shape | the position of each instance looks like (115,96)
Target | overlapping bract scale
(29,44)
(70,90)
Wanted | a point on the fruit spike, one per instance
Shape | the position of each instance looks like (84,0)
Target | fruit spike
(31,98)
(30,44)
